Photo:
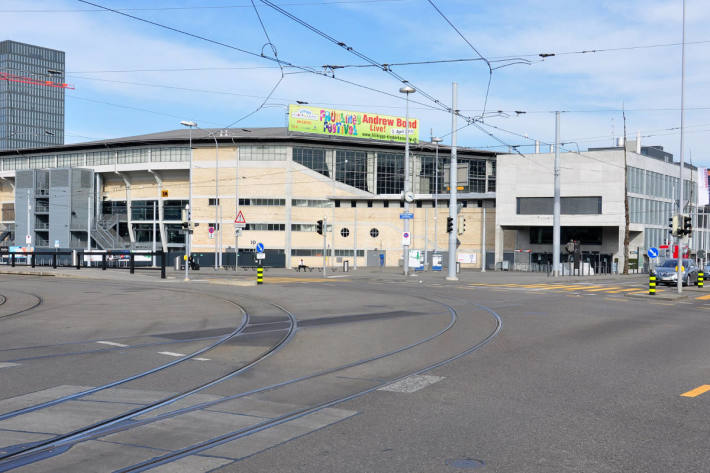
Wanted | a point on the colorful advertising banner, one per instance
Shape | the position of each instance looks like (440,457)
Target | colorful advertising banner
(372,126)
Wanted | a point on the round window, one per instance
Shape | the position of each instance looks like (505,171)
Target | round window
(374,233)
(344,232)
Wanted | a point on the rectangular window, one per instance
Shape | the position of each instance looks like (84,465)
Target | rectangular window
(312,158)
(390,173)
(351,168)
(303,227)
(586,235)
(310,203)
(263,202)
(214,201)
(266,227)
(568,205)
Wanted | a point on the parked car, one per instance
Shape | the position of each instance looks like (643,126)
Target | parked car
(666,273)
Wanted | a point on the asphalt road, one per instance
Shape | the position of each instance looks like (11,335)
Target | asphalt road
(545,376)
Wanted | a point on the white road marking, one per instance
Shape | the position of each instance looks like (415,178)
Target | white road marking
(170,353)
(8,365)
(114,344)
(411,384)
(178,355)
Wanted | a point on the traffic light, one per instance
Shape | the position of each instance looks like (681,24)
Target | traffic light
(674,225)
(687,224)
(449,224)
(462,225)
(319,227)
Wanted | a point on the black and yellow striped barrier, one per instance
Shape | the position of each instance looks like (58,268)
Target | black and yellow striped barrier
(260,275)
(701,279)
(652,285)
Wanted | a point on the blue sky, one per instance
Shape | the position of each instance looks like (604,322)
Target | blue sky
(166,77)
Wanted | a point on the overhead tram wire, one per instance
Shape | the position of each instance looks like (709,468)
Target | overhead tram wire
(281,67)
(251,53)
(439,105)
(383,67)
(488,63)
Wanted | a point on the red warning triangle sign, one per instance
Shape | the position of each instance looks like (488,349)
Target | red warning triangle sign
(240,218)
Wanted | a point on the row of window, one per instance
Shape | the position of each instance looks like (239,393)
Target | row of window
(96,158)
(650,212)
(653,184)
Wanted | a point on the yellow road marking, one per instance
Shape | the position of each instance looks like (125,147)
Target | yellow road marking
(703,298)
(599,289)
(697,391)
(625,290)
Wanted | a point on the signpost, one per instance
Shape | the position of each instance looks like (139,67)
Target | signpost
(406,216)
(406,238)
(652,253)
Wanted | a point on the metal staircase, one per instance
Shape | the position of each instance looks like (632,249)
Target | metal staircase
(105,234)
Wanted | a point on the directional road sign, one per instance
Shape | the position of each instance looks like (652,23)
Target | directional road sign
(259,247)
(652,253)
(406,216)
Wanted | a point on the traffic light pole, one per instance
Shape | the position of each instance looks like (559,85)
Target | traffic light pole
(453,182)
(325,237)
(679,264)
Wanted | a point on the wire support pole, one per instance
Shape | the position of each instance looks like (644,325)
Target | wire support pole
(556,204)
(453,182)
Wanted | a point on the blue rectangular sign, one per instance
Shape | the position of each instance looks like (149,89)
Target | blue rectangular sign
(406,216)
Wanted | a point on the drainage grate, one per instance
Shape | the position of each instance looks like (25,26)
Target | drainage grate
(468,463)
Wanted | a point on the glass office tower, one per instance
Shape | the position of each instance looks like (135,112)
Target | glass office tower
(31,108)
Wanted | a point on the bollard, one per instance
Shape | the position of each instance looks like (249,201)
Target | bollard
(79,257)
(701,279)
(260,275)
(162,264)
(32,255)
(12,260)
(651,285)
(54,261)
(103,262)
(132,263)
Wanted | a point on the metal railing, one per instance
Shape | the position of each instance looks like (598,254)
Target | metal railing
(83,259)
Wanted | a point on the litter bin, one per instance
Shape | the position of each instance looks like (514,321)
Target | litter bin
(346,266)
(506,265)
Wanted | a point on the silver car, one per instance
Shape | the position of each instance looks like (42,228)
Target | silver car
(666,272)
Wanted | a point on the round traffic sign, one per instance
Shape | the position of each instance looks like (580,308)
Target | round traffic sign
(211,230)
(259,247)
(652,253)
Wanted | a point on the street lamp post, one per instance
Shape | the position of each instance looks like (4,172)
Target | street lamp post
(436,140)
(218,224)
(188,236)
(408,197)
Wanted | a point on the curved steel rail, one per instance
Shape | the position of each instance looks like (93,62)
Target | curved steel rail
(208,444)
(56,445)
(54,402)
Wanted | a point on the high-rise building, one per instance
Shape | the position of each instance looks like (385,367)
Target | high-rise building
(31,96)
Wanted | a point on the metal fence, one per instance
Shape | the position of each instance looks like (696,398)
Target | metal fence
(125,260)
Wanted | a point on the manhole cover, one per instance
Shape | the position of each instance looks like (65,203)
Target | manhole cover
(468,463)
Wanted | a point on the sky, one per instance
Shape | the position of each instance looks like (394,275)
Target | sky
(132,77)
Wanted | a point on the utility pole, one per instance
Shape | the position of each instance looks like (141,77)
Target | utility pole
(627,219)
(453,183)
(436,140)
(556,205)
(483,237)
(153,255)
(408,196)
(679,263)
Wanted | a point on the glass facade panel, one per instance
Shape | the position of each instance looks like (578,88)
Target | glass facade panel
(351,168)
(390,173)
(313,158)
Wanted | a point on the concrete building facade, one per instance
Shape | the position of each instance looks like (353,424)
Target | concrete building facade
(282,182)
(592,205)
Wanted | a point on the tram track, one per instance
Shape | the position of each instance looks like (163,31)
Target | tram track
(38,301)
(40,450)
(299,413)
